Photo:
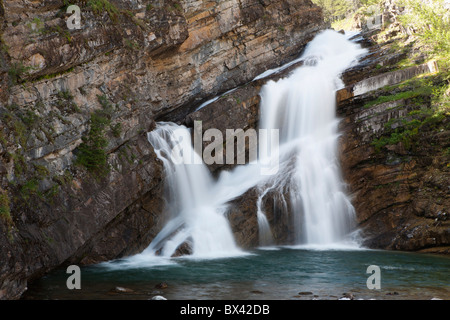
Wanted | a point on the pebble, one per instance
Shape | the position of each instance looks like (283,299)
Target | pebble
(161,285)
(347,296)
(156,292)
(158,298)
(122,290)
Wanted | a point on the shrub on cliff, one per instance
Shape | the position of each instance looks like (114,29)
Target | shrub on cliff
(334,10)
(429,20)
(91,153)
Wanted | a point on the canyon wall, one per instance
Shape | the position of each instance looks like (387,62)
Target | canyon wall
(79,183)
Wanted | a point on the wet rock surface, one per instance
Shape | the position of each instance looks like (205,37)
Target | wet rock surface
(242,215)
(183,250)
(162,285)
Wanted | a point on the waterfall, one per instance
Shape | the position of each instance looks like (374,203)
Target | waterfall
(196,217)
(302,106)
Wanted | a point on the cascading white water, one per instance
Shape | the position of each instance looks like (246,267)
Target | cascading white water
(302,107)
(196,217)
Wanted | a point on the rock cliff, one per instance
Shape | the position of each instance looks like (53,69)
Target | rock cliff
(79,182)
(395,150)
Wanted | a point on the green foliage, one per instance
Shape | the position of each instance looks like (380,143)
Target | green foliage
(16,72)
(369,2)
(422,91)
(36,25)
(5,211)
(65,94)
(431,20)
(65,100)
(177,6)
(3,47)
(123,154)
(20,131)
(441,94)
(62,32)
(342,10)
(405,63)
(66,3)
(64,179)
(342,13)
(101,6)
(91,153)
(406,135)
(53,75)
(131,44)
(172,5)
(431,94)
(20,165)
(41,171)
(20,123)
(28,118)
(29,189)
(447,152)
(116,129)
(51,193)
(334,9)
(408,132)
(3,140)
(107,107)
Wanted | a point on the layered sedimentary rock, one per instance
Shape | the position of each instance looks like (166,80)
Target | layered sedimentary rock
(394,153)
(401,191)
(102,87)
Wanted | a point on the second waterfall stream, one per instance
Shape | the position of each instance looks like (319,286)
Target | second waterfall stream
(303,108)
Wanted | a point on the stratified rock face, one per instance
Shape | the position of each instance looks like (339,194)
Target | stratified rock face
(400,186)
(163,55)
(131,63)
(400,192)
